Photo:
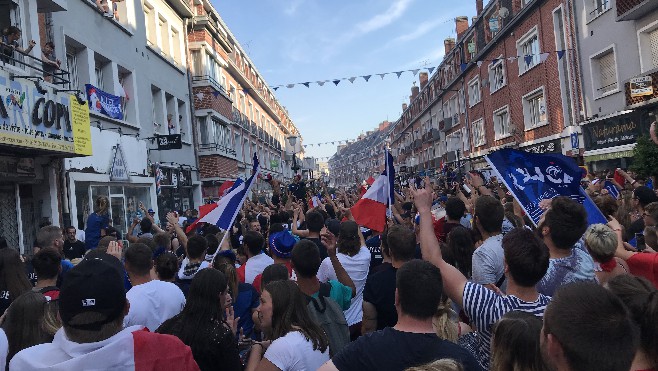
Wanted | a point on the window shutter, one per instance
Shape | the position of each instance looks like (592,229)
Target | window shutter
(608,72)
(653,40)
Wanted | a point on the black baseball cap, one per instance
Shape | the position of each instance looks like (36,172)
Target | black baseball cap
(94,285)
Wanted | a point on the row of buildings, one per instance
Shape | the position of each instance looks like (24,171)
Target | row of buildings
(577,77)
(154,102)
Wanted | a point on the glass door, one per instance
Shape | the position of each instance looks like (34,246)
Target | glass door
(118,213)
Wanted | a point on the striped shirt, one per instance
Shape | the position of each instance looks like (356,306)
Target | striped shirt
(484,307)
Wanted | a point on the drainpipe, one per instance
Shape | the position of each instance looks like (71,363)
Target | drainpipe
(191,100)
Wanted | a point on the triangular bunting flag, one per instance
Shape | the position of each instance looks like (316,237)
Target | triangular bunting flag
(430,69)
(321,83)
(560,54)
(199,96)
(351,79)
(493,61)
(528,59)
(543,57)
(215,93)
(415,71)
(276,88)
(463,66)
(332,143)
(399,73)
(382,75)
(290,86)
(336,82)
(367,77)
(479,63)
(246,91)
(511,59)
(306,84)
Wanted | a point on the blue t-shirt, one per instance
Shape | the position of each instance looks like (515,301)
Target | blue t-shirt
(95,223)
(578,266)
(246,300)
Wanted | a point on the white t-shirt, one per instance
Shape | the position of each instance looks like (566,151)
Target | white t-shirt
(4,349)
(357,268)
(255,266)
(293,352)
(152,303)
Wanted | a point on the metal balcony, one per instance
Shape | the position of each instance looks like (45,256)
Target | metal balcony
(634,9)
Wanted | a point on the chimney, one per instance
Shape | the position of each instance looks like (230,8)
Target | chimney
(404,107)
(461,25)
(422,77)
(474,19)
(478,7)
(449,43)
(415,90)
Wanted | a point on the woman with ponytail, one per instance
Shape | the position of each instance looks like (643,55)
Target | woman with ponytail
(445,322)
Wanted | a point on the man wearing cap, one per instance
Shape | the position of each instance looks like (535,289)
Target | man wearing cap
(92,305)
(281,243)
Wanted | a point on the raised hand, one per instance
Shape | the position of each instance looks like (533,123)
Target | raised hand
(422,196)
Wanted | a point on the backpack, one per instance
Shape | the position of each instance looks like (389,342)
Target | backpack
(329,316)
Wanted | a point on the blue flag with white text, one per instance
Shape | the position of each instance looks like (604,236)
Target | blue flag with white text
(533,177)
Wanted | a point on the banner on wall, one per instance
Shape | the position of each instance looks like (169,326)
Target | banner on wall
(104,103)
(38,118)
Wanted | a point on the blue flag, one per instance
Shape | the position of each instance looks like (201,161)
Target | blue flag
(612,189)
(533,177)
(104,103)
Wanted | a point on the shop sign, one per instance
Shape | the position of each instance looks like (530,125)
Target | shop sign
(609,156)
(274,164)
(118,169)
(552,146)
(612,132)
(17,167)
(185,178)
(641,86)
(40,118)
(167,142)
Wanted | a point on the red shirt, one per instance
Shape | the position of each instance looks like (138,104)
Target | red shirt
(644,265)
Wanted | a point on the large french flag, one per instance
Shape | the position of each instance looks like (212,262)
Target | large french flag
(205,209)
(228,206)
(370,210)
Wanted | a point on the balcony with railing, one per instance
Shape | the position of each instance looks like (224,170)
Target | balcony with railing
(212,148)
(24,65)
(634,9)
(207,80)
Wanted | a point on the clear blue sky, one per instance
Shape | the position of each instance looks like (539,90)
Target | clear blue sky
(293,41)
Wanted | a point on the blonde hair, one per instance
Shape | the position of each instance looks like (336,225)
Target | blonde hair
(601,242)
(445,364)
(445,328)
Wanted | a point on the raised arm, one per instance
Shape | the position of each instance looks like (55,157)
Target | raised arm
(329,241)
(453,280)
(180,233)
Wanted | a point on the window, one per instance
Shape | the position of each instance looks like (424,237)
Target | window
(238,145)
(72,66)
(149,15)
(98,73)
(648,45)
(474,91)
(534,109)
(471,48)
(502,128)
(477,128)
(125,91)
(163,42)
(183,120)
(598,7)
(497,78)
(204,130)
(653,43)
(175,46)
(158,110)
(604,73)
(197,63)
(462,101)
(528,51)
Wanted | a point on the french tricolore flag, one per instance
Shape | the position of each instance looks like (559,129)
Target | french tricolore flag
(370,210)
(228,206)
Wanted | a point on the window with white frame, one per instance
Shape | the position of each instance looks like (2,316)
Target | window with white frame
(597,7)
(204,130)
(462,101)
(163,41)
(197,62)
(454,110)
(474,94)
(527,48)
(72,65)
(477,129)
(604,73)
(98,72)
(151,34)
(175,46)
(183,120)
(534,109)
(501,120)
(497,78)
(648,39)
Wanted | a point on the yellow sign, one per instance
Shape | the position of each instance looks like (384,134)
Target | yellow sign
(641,86)
(80,126)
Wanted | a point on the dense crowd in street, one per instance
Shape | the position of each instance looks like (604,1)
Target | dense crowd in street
(457,280)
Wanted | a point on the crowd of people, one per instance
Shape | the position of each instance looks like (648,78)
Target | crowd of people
(456,281)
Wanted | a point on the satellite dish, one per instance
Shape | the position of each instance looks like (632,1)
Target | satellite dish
(503,12)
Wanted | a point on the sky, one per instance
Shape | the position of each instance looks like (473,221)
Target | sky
(295,41)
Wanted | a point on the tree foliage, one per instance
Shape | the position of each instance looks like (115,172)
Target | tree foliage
(645,157)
